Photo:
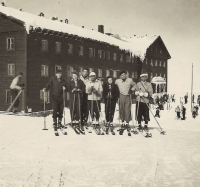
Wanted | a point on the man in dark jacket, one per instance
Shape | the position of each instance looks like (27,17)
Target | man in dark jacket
(57,85)
(110,95)
(76,88)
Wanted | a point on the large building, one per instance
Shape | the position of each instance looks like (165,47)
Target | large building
(38,46)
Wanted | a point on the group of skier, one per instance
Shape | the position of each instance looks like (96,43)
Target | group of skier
(86,93)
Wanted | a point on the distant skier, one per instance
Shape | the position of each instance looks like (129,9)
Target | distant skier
(94,90)
(110,95)
(194,112)
(193,98)
(178,112)
(197,109)
(186,98)
(125,85)
(183,113)
(198,100)
(57,85)
(160,106)
(144,91)
(76,88)
(15,87)
(173,98)
(157,113)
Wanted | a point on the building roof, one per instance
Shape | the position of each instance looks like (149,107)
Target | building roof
(137,46)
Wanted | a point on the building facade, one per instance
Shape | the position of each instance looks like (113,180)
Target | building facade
(39,52)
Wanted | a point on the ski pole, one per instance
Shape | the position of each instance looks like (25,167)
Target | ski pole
(162,132)
(64,106)
(72,114)
(79,110)
(135,132)
(44,114)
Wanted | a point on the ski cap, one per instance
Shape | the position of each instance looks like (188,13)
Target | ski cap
(92,74)
(144,74)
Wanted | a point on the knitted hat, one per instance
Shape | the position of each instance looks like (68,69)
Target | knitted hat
(75,72)
(144,74)
(92,74)
(122,72)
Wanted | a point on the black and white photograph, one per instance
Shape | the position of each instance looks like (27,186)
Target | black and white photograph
(99,93)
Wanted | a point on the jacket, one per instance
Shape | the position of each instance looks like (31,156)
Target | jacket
(71,85)
(16,83)
(114,90)
(56,85)
(144,87)
(98,86)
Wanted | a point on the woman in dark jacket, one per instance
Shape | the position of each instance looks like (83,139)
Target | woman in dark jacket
(111,95)
(76,87)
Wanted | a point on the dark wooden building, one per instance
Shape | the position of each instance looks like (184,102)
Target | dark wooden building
(38,50)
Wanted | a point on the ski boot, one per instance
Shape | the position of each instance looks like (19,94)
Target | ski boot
(121,130)
(107,128)
(82,128)
(146,129)
(112,129)
(140,128)
(55,127)
(128,129)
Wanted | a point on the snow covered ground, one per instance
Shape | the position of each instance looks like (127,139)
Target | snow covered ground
(31,157)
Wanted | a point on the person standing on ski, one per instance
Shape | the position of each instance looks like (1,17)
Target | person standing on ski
(125,86)
(57,85)
(157,113)
(84,106)
(110,95)
(15,87)
(144,90)
(186,98)
(183,113)
(94,90)
(178,112)
(76,88)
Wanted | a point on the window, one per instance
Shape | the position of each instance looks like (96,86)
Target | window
(136,74)
(69,71)
(121,58)
(10,44)
(164,64)
(44,45)
(80,50)
(8,97)
(108,55)
(128,58)
(115,56)
(151,75)
(115,73)
(133,75)
(99,73)
(11,69)
(70,49)
(44,96)
(80,71)
(58,47)
(90,70)
(99,53)
(91,53)
(156,63)
(44,70)
(127,74)
(103,54)
(133,59)
(160,51)
(107,73)
(151,62)
(58,68)
(164,76)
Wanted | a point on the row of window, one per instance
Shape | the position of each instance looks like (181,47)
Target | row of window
(156,63)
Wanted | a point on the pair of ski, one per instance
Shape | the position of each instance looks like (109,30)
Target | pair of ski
(77,129)
(97,129)
(110,129)
(61,129)
(145,132)
(122,129)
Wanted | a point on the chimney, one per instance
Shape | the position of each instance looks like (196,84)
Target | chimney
(101,29)
(66,21)
(20,9)
(61,20)
(3,4)
(83,27)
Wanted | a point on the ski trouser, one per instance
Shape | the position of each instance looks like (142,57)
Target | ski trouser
(183,113)
(57,104)
(125,108)
(95,108)
(178,114)
(84,107)
(14,93)
(110,105)
(74,106)
(143,112)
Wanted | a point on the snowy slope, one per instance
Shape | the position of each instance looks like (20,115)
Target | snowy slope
(137,45)
(31,157)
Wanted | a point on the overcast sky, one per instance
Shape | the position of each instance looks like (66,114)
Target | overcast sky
(176,21)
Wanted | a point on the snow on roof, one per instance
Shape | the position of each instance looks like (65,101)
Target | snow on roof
(137,46)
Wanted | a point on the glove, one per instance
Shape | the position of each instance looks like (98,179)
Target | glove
(141,94)
(74,90)
(137,93)
(78,90)
(44,90)
(146,94)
